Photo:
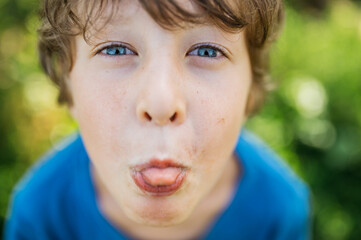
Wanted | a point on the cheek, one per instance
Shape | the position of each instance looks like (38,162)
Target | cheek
(98,97)
(221,109)
(100,106)
(221,113)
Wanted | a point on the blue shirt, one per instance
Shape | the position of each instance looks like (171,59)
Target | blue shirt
(56,199)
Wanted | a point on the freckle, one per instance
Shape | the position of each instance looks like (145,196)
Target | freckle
(194,149)
(189,152)
(221,121)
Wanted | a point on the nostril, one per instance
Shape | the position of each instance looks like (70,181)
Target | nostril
(172,118)
(147,116)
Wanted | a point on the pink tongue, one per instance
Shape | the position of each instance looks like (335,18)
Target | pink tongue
(161,176)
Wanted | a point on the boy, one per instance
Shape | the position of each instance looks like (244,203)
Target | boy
(160,90)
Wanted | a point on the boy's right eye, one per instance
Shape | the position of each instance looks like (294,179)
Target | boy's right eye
(116,50)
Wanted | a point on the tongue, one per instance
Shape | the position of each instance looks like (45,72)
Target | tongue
(161,176)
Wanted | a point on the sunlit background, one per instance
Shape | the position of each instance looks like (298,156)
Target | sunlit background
(313,119)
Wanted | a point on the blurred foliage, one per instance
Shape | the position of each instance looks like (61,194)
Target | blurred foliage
(313,120)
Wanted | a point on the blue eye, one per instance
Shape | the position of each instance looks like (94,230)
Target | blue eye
(206,51)
(117,51)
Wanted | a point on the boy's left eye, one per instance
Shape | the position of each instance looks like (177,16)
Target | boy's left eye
(206,51)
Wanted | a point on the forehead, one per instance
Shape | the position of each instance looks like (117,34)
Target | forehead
(171,15)
(168,14)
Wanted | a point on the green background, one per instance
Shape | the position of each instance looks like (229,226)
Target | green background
(313,119)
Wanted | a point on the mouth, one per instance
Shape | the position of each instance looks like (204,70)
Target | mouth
(159,177)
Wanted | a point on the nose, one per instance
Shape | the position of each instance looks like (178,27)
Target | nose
(161,101)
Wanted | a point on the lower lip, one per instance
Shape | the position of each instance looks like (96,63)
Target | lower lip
(159,190)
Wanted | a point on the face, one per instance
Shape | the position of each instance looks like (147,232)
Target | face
(159,111)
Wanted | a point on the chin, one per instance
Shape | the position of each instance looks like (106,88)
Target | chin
(162,223)
(159,212)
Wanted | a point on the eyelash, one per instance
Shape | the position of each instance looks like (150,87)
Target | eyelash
(129,51)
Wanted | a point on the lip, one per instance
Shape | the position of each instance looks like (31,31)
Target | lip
(178,174)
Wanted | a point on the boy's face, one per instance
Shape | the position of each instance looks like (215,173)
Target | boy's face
(159,111)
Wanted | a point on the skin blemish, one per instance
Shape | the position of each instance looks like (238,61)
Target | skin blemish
(221,121)
(194,149)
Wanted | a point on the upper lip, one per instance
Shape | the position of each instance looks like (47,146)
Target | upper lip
(157,163)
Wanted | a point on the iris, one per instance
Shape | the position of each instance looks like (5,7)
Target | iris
(116,50)
(206,52)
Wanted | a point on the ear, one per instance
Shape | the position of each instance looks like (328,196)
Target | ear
(255,99)
(250,104)
(72,110)
(251,100)
(69,96)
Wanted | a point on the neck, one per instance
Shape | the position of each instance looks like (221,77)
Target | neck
(202,217)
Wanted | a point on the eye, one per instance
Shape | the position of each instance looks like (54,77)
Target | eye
(116,50)
(207,51)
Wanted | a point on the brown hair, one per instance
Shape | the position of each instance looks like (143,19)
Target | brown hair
(261,19)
